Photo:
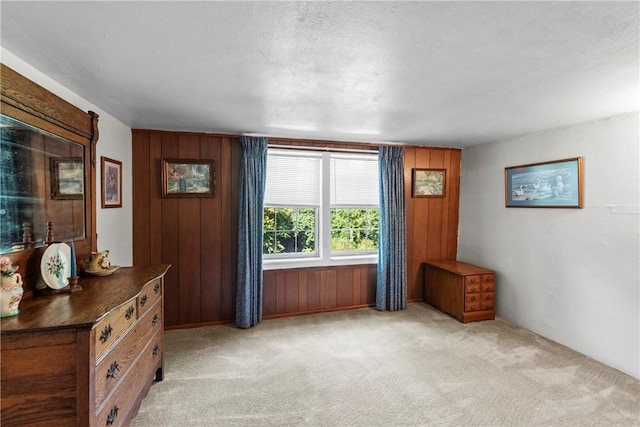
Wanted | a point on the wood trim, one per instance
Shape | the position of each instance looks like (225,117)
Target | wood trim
(23,94)
(328,310)
(34,105)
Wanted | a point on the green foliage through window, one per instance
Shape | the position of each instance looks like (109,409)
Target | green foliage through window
(354,229)
(289,230)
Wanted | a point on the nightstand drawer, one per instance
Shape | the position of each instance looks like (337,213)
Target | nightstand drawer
(473,279)
(474,297)
(487,286)
(472,306)
(471,288)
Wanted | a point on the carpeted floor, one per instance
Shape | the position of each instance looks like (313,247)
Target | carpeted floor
(370,368)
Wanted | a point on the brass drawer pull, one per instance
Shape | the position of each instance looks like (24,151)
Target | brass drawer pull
(112,415)
(106,333)
(129,313)
(156,350)
(143,300)
(155,319)
(111,372)
(156,288)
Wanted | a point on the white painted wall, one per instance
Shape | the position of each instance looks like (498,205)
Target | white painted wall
(571,275)
(114,226)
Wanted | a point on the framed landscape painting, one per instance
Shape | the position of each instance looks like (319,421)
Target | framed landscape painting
(188,178)
(67,178)
(553,184)
(428,182)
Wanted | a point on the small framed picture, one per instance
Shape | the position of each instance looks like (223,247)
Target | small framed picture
(428,182)
(111,182)
(553,184)
(67,178)
(188,178)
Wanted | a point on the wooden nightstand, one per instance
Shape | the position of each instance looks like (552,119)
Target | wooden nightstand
(463,290)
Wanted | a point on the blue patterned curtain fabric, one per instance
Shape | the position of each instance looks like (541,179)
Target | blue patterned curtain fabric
(253,177)
(391,290)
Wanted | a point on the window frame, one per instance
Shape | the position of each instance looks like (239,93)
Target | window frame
(324,255)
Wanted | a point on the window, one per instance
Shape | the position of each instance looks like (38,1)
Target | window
(320,208)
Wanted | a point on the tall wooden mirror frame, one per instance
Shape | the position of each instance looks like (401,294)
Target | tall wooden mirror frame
(24,100)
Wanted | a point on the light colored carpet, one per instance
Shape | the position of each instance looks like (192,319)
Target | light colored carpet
(370,368)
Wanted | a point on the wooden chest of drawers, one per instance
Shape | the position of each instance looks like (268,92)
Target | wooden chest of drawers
(87,358)
(463,290)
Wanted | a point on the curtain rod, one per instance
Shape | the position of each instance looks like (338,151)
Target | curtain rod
(305,147)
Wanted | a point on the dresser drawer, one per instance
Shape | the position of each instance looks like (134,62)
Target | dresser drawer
(474,279)
(151,292)
(488,283)
(115,410)
(474,297)
(487,296)
(487,300)
(470,288)
(472,306)
(117,362)
(112,327)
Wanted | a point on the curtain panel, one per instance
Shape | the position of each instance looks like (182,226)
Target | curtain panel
(253,172)
(391,290)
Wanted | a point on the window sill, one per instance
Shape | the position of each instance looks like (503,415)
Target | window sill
(282,264)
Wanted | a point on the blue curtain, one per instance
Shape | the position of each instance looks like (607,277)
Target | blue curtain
(253,177)
(391,290)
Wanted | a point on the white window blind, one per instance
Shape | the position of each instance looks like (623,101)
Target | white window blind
(354,181)
(293,179)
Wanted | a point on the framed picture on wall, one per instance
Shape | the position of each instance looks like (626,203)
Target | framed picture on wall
(428,182)
(67,178)
(553,184)
(188,178)
(111,182)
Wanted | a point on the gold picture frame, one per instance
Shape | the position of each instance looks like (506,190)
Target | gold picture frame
(552,184)
(188,178)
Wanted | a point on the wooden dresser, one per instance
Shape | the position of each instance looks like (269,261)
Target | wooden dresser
(463,290)
(86,358)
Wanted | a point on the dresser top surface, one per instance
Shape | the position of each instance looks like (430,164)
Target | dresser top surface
(458,267)
(99,296)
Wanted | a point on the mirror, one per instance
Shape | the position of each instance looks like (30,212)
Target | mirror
(47,174)
(42,180)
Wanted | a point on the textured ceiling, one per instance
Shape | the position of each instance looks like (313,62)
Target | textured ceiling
(429,73)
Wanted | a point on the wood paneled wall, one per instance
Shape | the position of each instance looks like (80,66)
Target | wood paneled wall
(198,236)
(309,290)
(432,223)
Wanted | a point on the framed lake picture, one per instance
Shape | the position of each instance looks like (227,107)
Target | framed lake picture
(188,178)
(553,184)
(111,182)
(67,178)
(428,182)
